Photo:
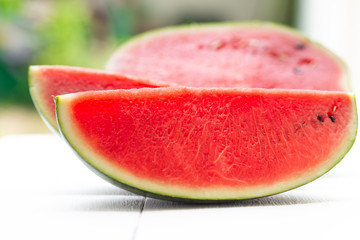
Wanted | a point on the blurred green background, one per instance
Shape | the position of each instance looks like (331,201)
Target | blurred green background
(85,33)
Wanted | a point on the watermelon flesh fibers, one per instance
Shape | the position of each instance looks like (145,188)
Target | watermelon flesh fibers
(209,144)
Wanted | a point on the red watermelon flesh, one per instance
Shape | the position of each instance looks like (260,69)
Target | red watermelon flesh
(209,144)
(251,55)
(49,81)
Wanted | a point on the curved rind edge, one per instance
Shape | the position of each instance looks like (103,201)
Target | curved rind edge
(34,74)
(346,146)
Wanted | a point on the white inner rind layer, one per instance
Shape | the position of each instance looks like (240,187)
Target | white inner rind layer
(99,162)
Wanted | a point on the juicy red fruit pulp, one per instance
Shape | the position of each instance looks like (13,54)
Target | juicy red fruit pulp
(258,57)
(209,138)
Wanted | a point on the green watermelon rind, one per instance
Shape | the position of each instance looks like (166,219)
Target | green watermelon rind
(345,81)
(104,172)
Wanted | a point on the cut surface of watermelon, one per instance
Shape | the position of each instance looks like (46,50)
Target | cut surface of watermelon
(49,81)
(246,55)
(209,144)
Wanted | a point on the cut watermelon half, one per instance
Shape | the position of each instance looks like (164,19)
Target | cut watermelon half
(48,81)
(245,55)
(263,110)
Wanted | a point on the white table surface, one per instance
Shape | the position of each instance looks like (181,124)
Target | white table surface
(47,193)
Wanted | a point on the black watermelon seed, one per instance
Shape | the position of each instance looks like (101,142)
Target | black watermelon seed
(299,46)
(332,118)
(320,118)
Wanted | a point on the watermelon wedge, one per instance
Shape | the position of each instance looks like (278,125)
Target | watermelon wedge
(203,144)
(262,110)
(48,81)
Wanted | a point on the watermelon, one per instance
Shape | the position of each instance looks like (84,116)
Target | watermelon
(48,81)
(209,144)
(245,55)
(257,109)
